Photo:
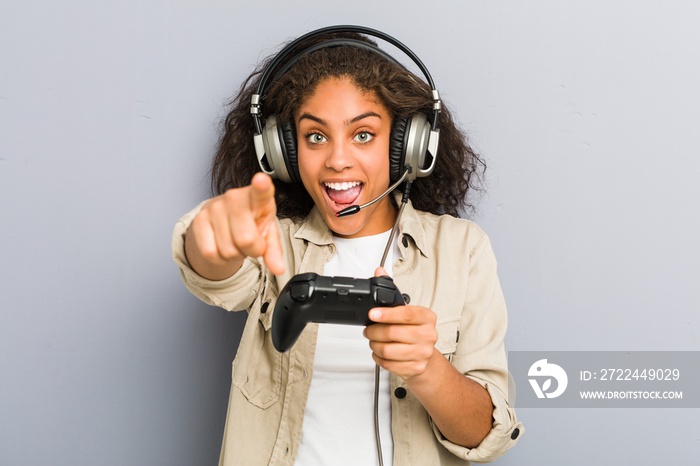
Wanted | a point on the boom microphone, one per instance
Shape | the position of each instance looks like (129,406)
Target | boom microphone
(353,209)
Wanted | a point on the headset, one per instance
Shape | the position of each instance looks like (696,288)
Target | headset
(413,141)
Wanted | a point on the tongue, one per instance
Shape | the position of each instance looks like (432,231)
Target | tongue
(347,196)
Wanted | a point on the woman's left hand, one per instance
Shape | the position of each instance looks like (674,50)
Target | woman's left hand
(403,338)
(403,342)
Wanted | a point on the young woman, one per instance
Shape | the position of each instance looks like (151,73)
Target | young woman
(346,113)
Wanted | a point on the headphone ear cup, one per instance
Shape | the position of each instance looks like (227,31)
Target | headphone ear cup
(397,149)
(417,143)
(271,151)
(288,139)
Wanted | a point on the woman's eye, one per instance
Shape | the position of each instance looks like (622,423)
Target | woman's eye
(315,138)
(363,137)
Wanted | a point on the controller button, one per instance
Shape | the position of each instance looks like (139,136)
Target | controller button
(343,281)
(400,393)
(385,280)
(385,297)
(300,291)
(406,298)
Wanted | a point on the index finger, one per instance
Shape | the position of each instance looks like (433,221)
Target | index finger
(380,272)
(273,255)
(262,194)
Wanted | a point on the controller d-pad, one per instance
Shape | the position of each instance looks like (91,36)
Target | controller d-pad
(300,291)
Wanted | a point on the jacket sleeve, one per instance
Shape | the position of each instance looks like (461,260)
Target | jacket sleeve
(481,356)
(234,293)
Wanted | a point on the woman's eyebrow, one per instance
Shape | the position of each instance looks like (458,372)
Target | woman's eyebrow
(363,116)
(311,117)
(321,121)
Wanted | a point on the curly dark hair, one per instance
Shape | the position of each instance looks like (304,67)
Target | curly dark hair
(458,169)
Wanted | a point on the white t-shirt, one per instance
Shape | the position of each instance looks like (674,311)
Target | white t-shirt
(338,426)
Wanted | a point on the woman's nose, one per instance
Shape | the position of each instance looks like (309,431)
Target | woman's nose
(340,156)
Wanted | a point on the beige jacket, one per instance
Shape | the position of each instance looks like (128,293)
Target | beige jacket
(446,264)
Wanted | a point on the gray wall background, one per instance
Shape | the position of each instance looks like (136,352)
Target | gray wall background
(587,113)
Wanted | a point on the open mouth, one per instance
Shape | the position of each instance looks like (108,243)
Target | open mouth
(343,193)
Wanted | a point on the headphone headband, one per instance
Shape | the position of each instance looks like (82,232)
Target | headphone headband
(258,96)
(330,43)
(289,48)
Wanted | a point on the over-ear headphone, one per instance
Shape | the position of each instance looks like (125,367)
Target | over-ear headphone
(414,140)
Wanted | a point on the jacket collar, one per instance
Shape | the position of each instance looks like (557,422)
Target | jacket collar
(314,229)
(411,225)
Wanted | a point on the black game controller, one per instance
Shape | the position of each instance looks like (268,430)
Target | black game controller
(309,297)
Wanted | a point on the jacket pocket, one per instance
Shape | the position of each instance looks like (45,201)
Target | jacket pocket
(257,368)
(448,336)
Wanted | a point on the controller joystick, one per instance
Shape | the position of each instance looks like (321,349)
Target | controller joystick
(309,297)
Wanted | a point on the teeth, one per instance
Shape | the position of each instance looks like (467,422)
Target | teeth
(345,185)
